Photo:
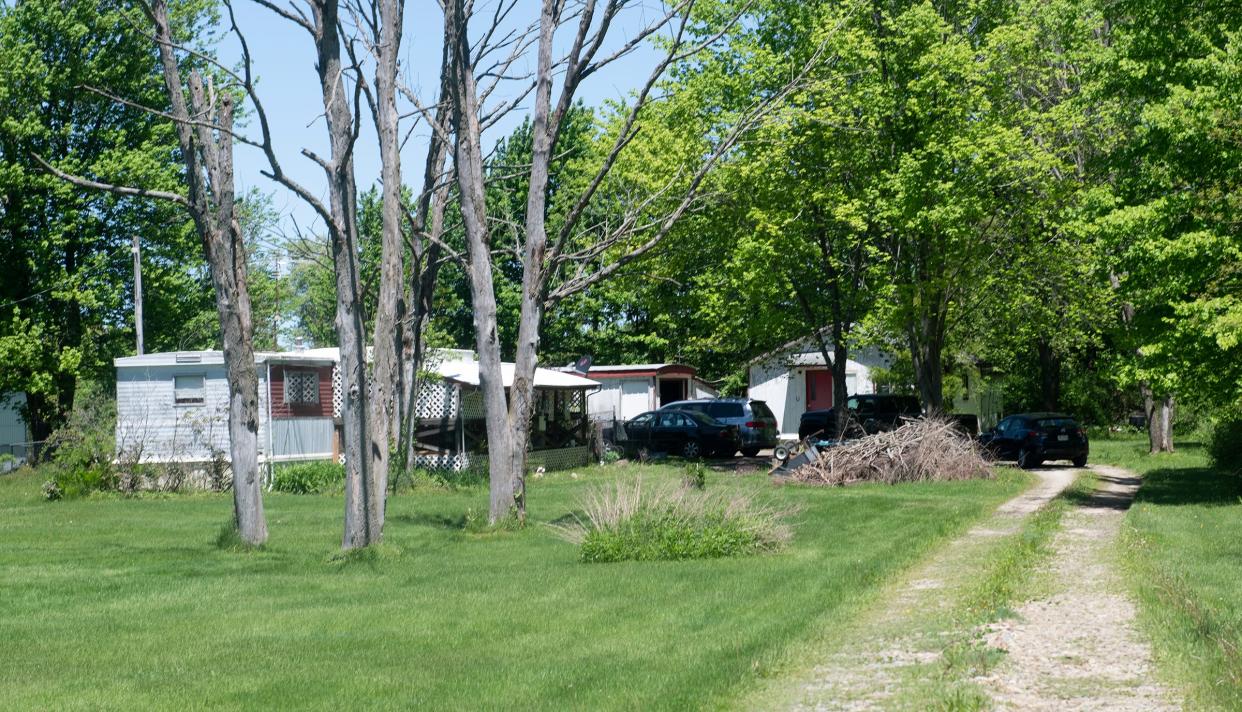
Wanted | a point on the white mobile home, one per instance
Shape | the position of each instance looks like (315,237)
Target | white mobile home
(173,407)
(795,378)
(629,390)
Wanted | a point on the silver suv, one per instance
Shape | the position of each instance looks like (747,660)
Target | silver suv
(754,420)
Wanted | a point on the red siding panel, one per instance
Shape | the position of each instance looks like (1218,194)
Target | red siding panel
(281,409)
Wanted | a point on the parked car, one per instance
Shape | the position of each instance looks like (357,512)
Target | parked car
(1035,438)
(869,413)
(754,419)
(687,433)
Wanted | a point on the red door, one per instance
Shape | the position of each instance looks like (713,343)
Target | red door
(818,389)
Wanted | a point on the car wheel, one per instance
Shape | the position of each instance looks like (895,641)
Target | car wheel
(750,451)
(1080,461)
(1027,459)
(692,450)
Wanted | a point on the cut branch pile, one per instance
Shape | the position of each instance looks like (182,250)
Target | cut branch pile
(920,450)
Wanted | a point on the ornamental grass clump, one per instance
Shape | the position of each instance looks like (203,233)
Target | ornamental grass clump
(639,521)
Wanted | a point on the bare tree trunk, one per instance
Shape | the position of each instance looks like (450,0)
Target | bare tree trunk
(1159,412)
(390,314)
(508,417)
(363,522)
(925,352)
(426,268)
(205,138)
(425,249)
(469,168)
(522,394)
(226,254)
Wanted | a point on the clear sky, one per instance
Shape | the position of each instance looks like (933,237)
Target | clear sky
(288,85)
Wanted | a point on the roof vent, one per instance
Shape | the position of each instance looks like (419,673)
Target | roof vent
(189,358)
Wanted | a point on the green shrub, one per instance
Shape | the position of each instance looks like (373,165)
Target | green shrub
(634,522)
(309,477)
(1225,446)
(82,449)
(80,481)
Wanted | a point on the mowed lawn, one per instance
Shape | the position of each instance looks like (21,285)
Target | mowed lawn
(110,603)
(1183,547)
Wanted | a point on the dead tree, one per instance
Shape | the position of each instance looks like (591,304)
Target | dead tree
(204,128)
(365,454)
(379,25)
(565,262)
(404,306)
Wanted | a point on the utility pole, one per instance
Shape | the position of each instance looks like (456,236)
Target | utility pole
(137,292)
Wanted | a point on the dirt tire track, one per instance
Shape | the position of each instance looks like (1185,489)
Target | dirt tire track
(875,657)
(1079,649)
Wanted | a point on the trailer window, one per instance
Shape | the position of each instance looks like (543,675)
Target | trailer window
(188,390)
(301,387)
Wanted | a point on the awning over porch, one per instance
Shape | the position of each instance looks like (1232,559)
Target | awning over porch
(466,373)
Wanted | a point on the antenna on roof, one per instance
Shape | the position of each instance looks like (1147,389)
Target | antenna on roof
(582,365)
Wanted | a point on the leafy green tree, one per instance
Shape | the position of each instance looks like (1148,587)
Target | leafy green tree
(65,306)
(1174,230)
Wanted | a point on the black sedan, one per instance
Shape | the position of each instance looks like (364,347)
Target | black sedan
(687,433)
(1034,438)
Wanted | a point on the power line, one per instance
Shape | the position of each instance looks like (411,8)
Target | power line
(65,282)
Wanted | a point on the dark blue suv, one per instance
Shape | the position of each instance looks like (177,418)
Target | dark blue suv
(754,420)
(1035,438)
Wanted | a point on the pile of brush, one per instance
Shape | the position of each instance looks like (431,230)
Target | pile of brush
(918,451)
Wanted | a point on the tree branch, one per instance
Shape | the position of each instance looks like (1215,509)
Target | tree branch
(110,188)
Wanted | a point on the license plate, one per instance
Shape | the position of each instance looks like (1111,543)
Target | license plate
(1063,438)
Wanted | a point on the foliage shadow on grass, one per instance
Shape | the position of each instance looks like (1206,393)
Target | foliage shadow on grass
(1174,487)
(436,520)
(1095,498)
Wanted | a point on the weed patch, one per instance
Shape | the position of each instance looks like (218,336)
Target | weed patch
(639,522)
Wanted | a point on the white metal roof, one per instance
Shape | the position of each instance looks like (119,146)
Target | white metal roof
(467,373)
(633,367)
(455,368)
(216,358)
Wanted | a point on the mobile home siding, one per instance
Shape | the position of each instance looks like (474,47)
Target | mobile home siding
(13,433)
(281,409)
(153,427)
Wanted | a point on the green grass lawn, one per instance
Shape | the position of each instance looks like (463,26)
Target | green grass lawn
(110,603)
(1183,547)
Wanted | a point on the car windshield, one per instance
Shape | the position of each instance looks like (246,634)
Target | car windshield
(702,418)
(1056,423)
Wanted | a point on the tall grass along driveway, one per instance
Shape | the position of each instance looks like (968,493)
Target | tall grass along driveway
(1182,543)
(109,603)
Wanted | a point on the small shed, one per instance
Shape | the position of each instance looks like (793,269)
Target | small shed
(795,378)
(628,390)
(14,435)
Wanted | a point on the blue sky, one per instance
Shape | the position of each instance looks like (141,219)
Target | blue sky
(288,85)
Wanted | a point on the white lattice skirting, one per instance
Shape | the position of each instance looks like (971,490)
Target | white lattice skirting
(550,460)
